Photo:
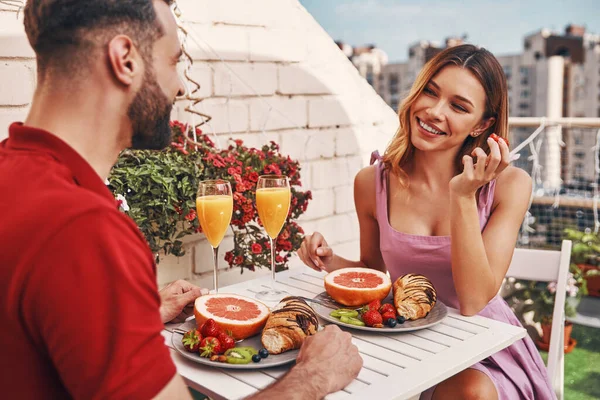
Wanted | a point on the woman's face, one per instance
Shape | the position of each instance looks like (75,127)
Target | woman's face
(449,109)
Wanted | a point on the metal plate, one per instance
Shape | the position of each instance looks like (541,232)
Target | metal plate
(254,341)
(435,316)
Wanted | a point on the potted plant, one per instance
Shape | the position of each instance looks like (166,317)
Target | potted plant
(538,298)
(158,190)
(585,254)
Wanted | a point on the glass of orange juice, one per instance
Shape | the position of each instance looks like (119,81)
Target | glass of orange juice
(273,204)
(214,206)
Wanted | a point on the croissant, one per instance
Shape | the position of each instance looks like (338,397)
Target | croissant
(414,296)
(290,322)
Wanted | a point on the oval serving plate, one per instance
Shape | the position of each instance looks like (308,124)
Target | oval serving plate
(435,316)
(273,360)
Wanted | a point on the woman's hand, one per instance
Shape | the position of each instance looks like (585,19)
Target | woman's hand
(487,168)
(315,252)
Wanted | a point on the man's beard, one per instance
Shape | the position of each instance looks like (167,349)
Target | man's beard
(150,113)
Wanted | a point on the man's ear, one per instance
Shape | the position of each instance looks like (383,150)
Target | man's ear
(124,60)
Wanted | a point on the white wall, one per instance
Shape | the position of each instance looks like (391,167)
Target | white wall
(304,93)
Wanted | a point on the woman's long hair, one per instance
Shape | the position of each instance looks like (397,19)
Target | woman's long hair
(487,70)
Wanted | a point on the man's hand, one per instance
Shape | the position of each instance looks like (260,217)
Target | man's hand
(331,358)
(177,300)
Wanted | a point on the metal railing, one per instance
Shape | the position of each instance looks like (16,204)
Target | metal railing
(562,157)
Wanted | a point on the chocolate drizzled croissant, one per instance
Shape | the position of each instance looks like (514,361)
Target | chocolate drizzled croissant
(414,296)
(290,322)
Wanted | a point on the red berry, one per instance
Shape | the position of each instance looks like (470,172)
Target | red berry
(387,308)
(227,342)
(191,340)
(372,318)
(210,328)
(388,315)
(497,138)
(374,305)
(210,346)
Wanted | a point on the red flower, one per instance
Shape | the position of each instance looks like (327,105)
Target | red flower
(278,259)
(285,245)
(239,142)
(256,248)
(273,168)
(234,171)
(253,176)
(238,260)
(229,257)
(191,215)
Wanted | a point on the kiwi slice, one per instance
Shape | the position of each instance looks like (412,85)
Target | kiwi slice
(238,356)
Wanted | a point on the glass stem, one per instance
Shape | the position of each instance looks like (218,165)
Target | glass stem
(272,262)
(216,271)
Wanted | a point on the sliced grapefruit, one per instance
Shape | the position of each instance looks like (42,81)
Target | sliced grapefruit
(357,286)
(243,316)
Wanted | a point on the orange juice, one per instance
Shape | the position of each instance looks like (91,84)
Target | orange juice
(214,213)
(273,205)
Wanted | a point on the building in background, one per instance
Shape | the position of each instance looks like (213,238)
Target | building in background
(396,79)
(369,60)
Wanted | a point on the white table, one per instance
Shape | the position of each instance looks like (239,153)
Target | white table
(396,366)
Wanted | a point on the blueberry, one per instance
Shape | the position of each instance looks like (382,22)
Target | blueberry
(391,322)
(263,353)
(256,358)
(401,319)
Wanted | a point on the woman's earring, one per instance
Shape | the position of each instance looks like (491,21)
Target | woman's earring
(475,134)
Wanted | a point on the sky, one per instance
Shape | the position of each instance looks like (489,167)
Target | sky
(499,26)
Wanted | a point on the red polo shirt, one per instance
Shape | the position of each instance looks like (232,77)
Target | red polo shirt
(79,303)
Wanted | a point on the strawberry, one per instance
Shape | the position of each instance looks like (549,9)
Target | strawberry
(191,340)
(210,346)
(386,308)
(210,328)
(387,315)
(496,138)
(227,342)
(372,318)
(374,305)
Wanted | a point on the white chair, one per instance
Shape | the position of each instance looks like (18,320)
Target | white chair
(548,266)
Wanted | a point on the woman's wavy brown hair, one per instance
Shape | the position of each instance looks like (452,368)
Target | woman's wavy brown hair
(487,70)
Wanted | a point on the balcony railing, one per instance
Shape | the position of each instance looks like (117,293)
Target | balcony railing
(562,157)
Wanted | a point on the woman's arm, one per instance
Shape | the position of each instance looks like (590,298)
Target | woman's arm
(480,259)
(318,255)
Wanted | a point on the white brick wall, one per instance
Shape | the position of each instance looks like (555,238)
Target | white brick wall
(17,83)
(237,79)
(299,88)
(276,112)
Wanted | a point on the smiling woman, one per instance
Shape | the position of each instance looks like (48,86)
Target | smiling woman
(443,202)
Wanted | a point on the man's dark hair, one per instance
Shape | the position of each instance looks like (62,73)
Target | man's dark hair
(64,33)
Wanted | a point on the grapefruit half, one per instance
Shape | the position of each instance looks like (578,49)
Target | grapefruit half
(241,315)
(357,286)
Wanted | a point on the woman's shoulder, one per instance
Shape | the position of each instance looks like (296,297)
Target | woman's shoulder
(365,178)
(513,183)
(365,187)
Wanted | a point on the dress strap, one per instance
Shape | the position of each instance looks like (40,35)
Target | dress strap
(375,156)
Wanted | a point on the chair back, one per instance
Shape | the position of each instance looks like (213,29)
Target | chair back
(548,266)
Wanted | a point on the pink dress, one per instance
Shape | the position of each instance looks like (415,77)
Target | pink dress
(518,371)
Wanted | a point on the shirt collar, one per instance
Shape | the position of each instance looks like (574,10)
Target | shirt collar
(22,137)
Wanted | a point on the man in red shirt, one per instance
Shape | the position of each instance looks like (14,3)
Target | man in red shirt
(81,314)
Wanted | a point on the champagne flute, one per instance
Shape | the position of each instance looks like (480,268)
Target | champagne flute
(214,206)
(273,204)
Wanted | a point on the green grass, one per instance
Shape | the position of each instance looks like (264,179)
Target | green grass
(582,365)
